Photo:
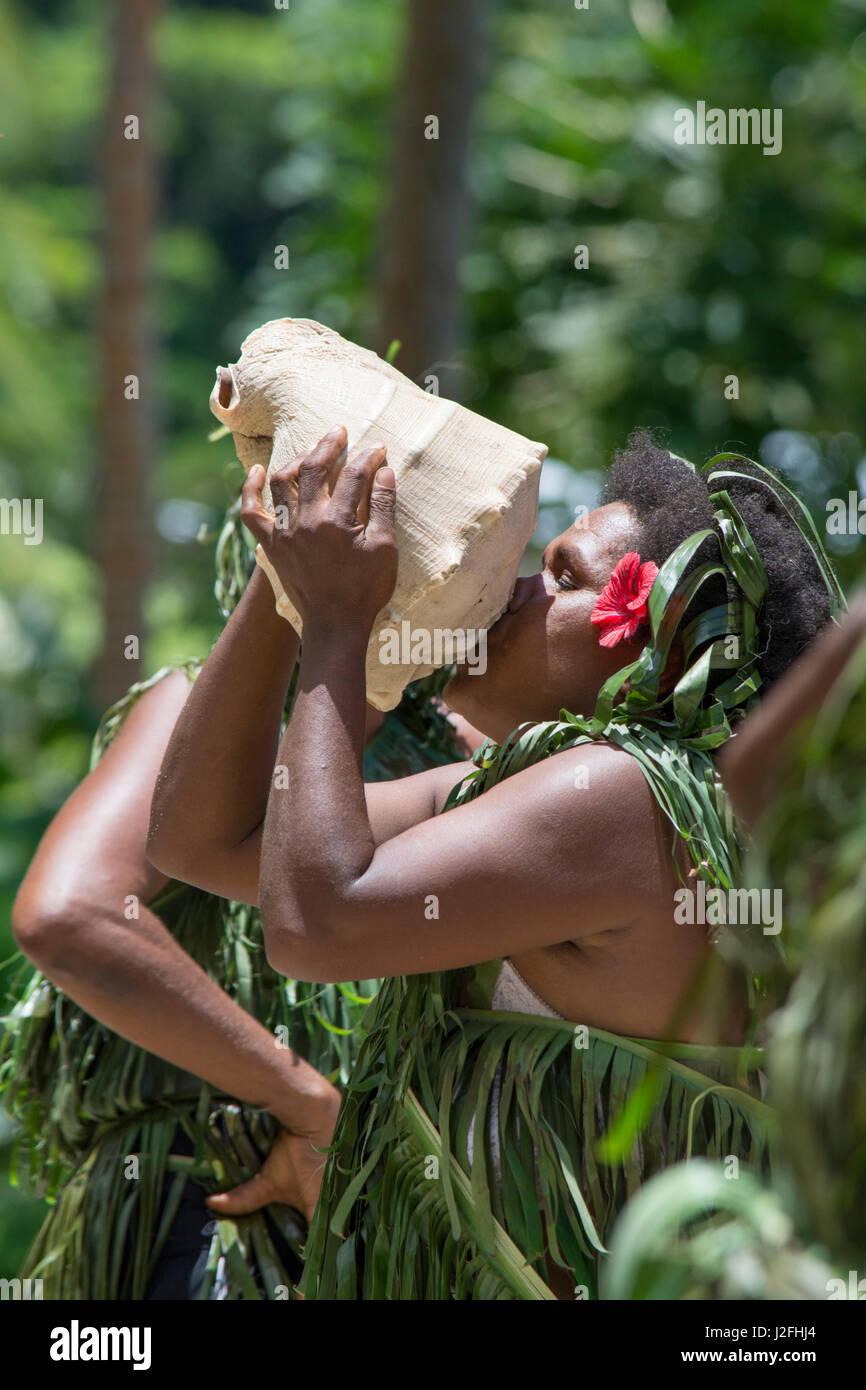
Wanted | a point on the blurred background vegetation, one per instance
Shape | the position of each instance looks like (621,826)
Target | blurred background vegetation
(264,126)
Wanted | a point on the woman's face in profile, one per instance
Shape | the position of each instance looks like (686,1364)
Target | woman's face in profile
(543,654)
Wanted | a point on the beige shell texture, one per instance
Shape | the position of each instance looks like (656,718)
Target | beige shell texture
(467,489)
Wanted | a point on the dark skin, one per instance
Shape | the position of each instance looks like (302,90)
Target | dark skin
(574,882)
(69,918)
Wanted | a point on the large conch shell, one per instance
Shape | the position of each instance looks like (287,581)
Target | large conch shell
(467,489)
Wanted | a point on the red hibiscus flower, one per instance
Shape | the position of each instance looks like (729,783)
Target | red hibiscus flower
(622,603)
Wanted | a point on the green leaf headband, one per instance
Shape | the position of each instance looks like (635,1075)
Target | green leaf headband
(726,634)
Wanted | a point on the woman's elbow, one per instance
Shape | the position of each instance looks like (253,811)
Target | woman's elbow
(295,953)
(164,856)
(162,845)
(171,849)
(46,931)
(173,834)
(286,955)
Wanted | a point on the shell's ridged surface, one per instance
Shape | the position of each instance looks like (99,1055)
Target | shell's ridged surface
(467,489)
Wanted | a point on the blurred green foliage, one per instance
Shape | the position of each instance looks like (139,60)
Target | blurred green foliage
(274,128)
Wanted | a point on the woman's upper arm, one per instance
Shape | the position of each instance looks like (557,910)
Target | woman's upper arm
(543,857)
(391,806)
(94,850)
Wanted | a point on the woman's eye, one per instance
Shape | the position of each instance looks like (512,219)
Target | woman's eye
(563,583)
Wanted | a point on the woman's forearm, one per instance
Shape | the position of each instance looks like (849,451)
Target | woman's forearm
(137,980)
(213,786)
(322,749)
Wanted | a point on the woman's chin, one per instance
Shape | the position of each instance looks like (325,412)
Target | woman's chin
(477,700)
(464,693)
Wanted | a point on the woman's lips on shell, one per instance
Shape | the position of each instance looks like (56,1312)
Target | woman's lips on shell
(507,610)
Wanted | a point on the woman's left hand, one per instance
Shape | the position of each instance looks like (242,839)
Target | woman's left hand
(331,541)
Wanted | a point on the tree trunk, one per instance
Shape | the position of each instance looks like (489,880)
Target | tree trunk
(423,232)
(127,379)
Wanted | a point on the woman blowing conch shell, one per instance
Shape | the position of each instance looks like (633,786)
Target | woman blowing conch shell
(556,855)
